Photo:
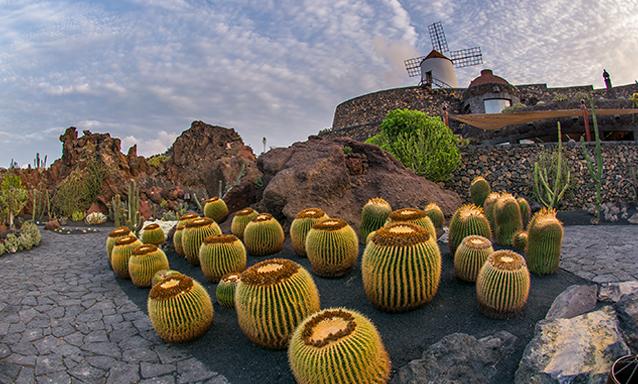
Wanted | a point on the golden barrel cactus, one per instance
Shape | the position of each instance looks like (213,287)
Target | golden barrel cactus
(216,209)
(526,210)
(194,234)
(333,247)
(241,220)
(264,235)
(435,214)
(225,291)
(415,216)
(145,261)
(488,208)
(373,216)
(519,241)
(502,285)
(180,309)
(467,220)
(479,190)
(153,234)
(179,230)
(272,298)
(401,267)
(507,218)
(300,227)
(162,274)
(221,254)
(112,238)
(544,241)
(338,345)
(470,257)
(121,254)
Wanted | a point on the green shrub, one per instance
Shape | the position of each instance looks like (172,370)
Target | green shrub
(79,189)
(559,97)
(514,108)
(156,160)
(421,142)
(13,197)
(347,150)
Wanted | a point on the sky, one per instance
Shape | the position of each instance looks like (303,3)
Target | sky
(143,70)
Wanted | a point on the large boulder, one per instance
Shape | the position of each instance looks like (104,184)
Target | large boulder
(627,310)
(458,359)
(339,175)
(577,350)
(573,301)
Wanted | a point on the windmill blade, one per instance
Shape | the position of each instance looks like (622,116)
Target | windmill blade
(439,42)
(413,66)
(466,57)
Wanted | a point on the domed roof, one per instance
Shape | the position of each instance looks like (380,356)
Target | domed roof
(436,55)
(487,77)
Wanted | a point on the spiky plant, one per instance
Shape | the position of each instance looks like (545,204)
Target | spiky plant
(194,234)
(479,190)
(225,291)
(435,214)
(300,227)
(507,218)
(264,235)
(272,298)
(373,216)
(145,261)
(545,238)
(179,230)
(519,241)
(526,210)
(415,216)
(121,254)
(488,208)
(467,220)
(401,267)
(216,209)
(153,234)
(470,257)
(333,247)
(112,238)
(241,220)
(162,274)
(180,309)
(338,345)
(221,254)
(502,285)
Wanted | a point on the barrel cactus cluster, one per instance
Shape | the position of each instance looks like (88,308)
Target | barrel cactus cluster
(373,216)
(332,247)
(121,254)
(144,262)
(264,235)
(194,234)
(179,230)
(300,227)
(241,220)
(507,219)
(112,238)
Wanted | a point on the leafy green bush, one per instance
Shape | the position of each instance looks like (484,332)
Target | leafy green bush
(156,160)
(28,237)
(77,216)
(78,190)
(421,142)
(13,197)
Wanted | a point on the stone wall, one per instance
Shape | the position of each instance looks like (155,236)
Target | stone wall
(510,167)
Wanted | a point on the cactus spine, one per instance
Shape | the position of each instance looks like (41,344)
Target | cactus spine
(502,285)
(194,234)
(121,254)
(373,216)
(333,247)
(467,220)
(507,217)
(401,267)
(435,214)
(225,291)
(145,261)
(241,220)
(414,216)
(272,298)
(526,210)
(300,227)
(179,231)
(221,254)
(153,234)
(264,235)
(519,241)
(470,257)
(479,190)
(545,237)
(180,309)
(338,345)
(112,238)
(216,209)
(163,274)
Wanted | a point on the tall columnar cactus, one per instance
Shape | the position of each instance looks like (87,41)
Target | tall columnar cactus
(272,298)
(300,227)
(479,190)
(507,217)
(264,235)
(133,219)
(180,309)
(414,216)
(595,166)
(488,208)
(545,238)
(519,241)
(179,231)
(153,234)
(121,254)
(112,238)
(373,216)
(194,234)
(401,267)
(216,209)
(502,285)
(435,214)
(145,261)
(330,345)
(221,254)
(526,210)
(225,291)
(332,247)
(241,220)
(117,211)
(163,274)
(467,220)
(470,257)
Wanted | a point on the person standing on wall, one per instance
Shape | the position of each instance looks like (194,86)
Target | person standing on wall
(607,79)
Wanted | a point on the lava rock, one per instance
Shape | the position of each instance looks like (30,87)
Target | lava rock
(627,310)
(573,301)
(613,292)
